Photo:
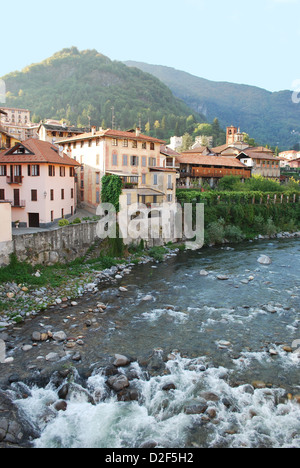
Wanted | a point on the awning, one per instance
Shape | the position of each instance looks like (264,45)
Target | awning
(148,192)
(122,174)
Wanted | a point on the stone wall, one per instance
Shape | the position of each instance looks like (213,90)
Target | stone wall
(49,247)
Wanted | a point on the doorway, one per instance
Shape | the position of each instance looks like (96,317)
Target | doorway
(34,220)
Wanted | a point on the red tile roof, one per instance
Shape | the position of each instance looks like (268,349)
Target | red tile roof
(130,135)
(39,152)
(258,153)
(199,160)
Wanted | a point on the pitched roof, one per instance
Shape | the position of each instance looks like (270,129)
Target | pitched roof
(112,134)
(220,161)
(62,128)
(37,152)
(167,151)
(258,153)
(220,149)
(198,150)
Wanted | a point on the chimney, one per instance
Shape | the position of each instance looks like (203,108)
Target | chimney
(138,131)
(93,131)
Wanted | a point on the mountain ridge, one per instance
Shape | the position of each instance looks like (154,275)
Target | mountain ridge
(269,117)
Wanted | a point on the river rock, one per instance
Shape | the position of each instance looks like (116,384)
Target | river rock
(118,382)
(36,336)
(61,405)
(121,361)
(52,357)
(198,408)
(27,348)
(223,277)
(147,298)
(122,289)
(168,387)
(59,336)
(204,273)
(264,260)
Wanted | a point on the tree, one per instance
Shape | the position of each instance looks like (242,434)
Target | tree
(187,142)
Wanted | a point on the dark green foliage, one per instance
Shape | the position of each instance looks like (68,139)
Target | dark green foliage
(83,87)
(111,190)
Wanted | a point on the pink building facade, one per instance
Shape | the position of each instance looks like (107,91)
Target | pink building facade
(39,182)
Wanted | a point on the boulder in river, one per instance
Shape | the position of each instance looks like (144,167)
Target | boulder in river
(264,260)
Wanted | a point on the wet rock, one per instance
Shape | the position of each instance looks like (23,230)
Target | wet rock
(118,382)
(61,405)
(168,387)
(204,273)
(147,298)
(198,408)
(209,396)
(264,260)
(76,357)
(223,277)
(149,444)
(259,384)
(121,361)
(287,349)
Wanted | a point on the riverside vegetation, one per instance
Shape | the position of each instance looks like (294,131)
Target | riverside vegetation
(230,216)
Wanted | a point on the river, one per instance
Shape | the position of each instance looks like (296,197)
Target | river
(214,363)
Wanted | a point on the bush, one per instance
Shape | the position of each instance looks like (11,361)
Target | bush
(215,232)
(234,234)
(77,221)
(63,222)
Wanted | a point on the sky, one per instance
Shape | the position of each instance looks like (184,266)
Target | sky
(253,42)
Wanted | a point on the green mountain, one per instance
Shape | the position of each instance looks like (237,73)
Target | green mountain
(269,118)
(82,87)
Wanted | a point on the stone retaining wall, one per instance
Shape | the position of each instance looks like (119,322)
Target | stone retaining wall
(49,247)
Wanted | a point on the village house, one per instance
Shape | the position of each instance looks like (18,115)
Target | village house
(54,131)
(197,169)
(6,139)
(17,123)
(134,157)
(261,161)
(39,182)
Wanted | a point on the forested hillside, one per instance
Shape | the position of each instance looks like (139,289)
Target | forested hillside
(269,118)
(82,87)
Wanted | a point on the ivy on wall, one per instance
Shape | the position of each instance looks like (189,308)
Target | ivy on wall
(111,190)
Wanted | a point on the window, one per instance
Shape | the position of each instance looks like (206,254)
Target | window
(51,171)
(134,144)
(97,141)
(62,194)
(169,198)
(154,179)
(152,146)
(143,178)
(115,159)
(97,159)
(170,185)
(97,178)
(144,145)
(125,143)
(125,160)
(115,142)
(51,194)
(62,171)
(97,197)
(34,170)
(90,143)
(74,145)
(128,198)
(2,194)
(63,213)
(152,162)
(134,161)
(52,216)
(2,170)
(144,161)
(82,144)
(72,193)
(33,195)
(72,172)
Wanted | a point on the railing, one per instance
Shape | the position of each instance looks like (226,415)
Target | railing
(14,180)
(218,173)
(17,203)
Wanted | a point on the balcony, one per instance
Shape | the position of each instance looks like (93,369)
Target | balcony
(17,203)
(220,172)
(14,180)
